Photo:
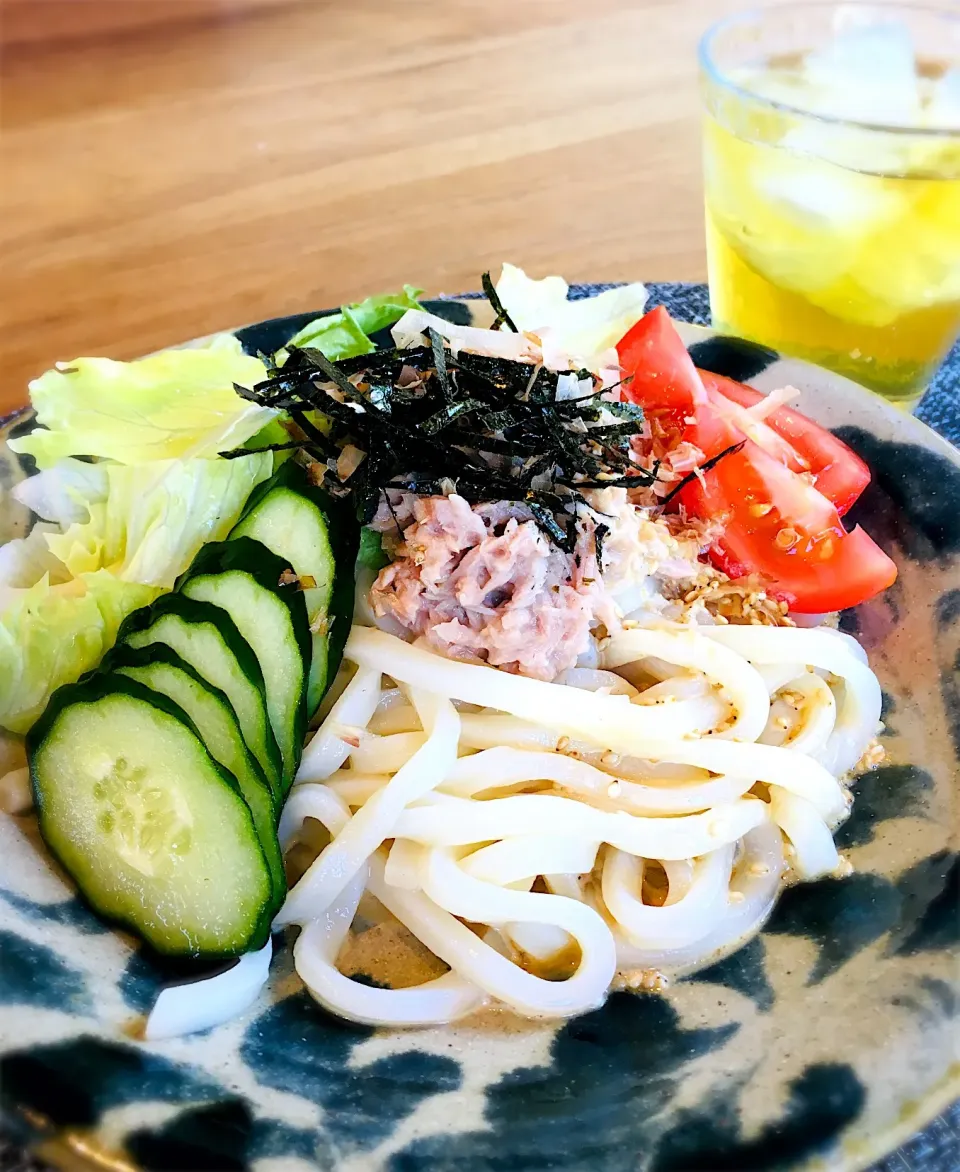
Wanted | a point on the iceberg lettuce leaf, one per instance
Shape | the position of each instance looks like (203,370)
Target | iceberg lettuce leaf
(50,635)
(63,493)
(64,592)
(173,405)
(25,560)
(582,329)
(156,516)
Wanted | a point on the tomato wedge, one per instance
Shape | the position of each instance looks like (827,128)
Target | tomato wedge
(657,370)
(781,495)
(660,375)
(746,425)
(839,472)
(782,528)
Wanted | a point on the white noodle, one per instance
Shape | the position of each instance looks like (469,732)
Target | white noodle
(385,754)
(683,921)
(858,713)
(610,721)
(819,707)
(541,941)
(814,851)
(534,818)
(778,675)
(590,679)
(683,647)
(354,787)
(753,891)
(504,766)
(402,868)
(444,999)
(186,1008)
(396,716)
(451,888)
(679,874)
(488,731)
(340,860)
(513,859)
(328,751)
(448,821)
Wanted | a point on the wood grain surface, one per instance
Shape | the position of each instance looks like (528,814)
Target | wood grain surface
(173,167)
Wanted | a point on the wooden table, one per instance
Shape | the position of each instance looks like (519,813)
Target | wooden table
(173,167)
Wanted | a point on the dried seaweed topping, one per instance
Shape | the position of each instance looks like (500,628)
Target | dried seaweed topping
(428,418)
(425,419)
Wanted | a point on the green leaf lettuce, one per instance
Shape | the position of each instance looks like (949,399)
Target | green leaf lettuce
(344,334)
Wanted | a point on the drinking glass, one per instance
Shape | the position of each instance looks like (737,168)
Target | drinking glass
(832,186)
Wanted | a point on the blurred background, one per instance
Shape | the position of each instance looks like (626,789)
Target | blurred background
(173,167)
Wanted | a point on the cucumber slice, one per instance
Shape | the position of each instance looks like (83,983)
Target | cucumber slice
(243,578)
(161,669)
(291,526)
(155,832)
(206,638)
(318,536)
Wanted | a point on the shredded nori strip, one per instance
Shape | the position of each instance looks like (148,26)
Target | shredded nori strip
(698,472)
(626,410)
(313,433)
(236,453)
(440,364)
(447,415)
(502,318)
(493,427)
(488,425)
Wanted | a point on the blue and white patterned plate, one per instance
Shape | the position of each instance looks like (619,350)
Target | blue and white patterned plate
(825,1042)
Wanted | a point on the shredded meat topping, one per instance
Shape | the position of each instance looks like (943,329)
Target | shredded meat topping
(484,583)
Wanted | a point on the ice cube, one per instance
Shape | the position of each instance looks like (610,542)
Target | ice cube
(825,197)
(913,263)
(867,72)
(943,108)
(784,86)
(870,152)
(799,222)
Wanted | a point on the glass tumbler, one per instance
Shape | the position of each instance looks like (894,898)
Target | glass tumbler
(832,186)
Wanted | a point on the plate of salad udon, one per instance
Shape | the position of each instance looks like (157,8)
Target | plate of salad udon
(512,732)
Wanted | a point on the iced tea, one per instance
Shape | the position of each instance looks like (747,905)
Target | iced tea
(832,184)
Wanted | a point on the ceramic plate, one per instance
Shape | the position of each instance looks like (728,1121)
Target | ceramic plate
(828,1038)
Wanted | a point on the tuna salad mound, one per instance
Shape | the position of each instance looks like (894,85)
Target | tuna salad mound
(483,583)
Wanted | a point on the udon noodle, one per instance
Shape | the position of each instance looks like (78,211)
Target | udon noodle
(638,818)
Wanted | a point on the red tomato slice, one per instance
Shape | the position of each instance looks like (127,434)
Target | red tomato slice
(783,529)
(777,524)
(840,473)
(744,424)
(657,370)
